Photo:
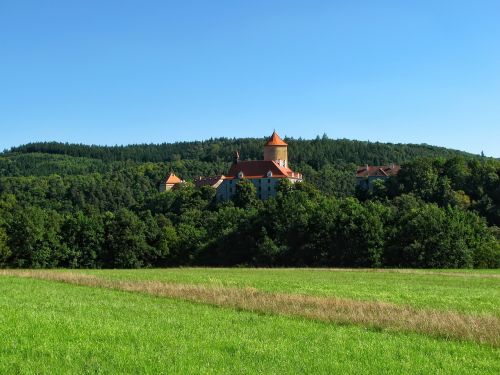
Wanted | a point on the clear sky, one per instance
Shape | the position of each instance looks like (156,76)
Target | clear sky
(119,72)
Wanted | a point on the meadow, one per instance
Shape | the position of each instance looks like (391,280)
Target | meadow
(230,321)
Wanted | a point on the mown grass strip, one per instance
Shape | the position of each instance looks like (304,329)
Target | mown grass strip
(448,324)
(426,272)
(417,272)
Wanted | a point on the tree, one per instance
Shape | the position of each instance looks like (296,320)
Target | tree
(34,238)
(267,253)
(348,233)
(245,195)
(161,236)
(284,186)
(125,240)
(5,251)
(426,236)
(84,236)
(487,254)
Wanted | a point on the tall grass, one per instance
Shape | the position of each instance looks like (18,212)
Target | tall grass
(447,324)
(463,291)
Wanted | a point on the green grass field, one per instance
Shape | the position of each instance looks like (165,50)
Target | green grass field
(467,291)
(52,327)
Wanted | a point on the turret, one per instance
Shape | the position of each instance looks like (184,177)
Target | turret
(276,150)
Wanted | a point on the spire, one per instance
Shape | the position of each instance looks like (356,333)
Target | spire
(236,158)
(275,140)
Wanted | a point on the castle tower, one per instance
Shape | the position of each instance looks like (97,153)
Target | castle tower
(276,150)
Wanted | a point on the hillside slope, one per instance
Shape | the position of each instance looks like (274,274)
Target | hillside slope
(315,152)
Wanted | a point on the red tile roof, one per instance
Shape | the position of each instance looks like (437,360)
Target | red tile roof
(260,169)
(172,179)
(378,171)
(275,140)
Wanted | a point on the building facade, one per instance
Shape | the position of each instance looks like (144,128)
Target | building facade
(263,174)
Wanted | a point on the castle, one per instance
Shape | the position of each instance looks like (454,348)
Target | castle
(264,174)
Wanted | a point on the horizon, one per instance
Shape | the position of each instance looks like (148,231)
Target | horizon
(120,73)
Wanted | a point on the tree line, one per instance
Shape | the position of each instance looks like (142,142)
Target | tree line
(301,227)
(316,153)
(82,211)
(469,184)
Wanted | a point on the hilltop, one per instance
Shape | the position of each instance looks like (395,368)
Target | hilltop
(328,164)
(316,152)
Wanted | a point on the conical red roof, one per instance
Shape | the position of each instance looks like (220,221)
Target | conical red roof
(275,140)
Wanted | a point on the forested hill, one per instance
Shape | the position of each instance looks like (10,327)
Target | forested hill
(65,205)
(326,163)
(316,153)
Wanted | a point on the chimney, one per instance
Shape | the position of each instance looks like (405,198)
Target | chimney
(236,158)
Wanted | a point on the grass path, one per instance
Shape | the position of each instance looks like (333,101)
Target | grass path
(447,324)
(59,328)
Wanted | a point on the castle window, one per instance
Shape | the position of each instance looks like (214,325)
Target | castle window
(269,188)
(269,181)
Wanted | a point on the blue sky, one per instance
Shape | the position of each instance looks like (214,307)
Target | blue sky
(119,72)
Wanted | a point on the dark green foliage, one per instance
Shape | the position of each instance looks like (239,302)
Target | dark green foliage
(34,238)
(125,244)
(431,237)
(78,206)
(345,233)
(84,235)
(5,252)
(469,184)
(245,195)
(316,153)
